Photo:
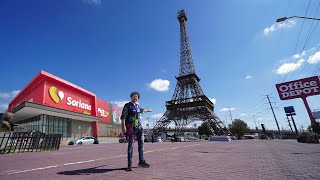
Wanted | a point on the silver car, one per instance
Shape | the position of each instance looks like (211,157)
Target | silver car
(82,140)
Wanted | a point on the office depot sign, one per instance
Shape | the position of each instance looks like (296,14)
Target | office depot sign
(301,88)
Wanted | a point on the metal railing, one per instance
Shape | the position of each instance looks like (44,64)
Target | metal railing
(18,142)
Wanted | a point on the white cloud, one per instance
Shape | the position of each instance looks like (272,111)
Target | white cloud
(262,119)
(213,100)
(120,104)
(299,56)
(9,95)
(243,114)
(227,109)
(315,58)
(157,116)
(159,85)
(289,67)
(92,2)
(248,77)
(275,27)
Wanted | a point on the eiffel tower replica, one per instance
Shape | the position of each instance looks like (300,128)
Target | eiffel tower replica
(188,103)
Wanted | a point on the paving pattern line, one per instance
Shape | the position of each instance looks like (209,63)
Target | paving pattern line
(99,159)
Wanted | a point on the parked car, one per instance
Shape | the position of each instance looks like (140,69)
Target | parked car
(84,140)
(122,140)
(263,136)
(220,138)
(191,138)
(248,137)
(159,139)
(178,139)
(233,137)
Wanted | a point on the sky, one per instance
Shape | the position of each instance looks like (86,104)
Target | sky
(114,47)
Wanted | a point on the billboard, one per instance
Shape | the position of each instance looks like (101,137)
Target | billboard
(289,109)
(300,88)
(316,114)
(116,114)
(103,110)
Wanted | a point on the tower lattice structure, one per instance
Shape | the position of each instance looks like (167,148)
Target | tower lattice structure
(188,103)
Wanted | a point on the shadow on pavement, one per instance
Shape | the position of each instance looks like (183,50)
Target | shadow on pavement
(88,171)
(306,153)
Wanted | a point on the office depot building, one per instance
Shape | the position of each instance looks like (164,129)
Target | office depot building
(52,105)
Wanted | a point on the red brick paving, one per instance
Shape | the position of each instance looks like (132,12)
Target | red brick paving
(247,159)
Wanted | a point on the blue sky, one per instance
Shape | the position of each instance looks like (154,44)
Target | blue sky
(114,47)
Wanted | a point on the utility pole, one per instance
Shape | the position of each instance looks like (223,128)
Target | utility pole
(274,115)
(294,124)
(230,114)
(289,124)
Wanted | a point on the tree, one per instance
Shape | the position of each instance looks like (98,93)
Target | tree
(309,129)
(314,128)
(204,129)
(238,128)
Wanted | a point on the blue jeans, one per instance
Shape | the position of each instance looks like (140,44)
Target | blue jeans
(130,138)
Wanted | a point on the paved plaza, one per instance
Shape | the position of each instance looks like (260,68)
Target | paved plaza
(245,159)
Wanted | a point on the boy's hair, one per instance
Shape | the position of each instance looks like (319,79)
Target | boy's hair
(134,94)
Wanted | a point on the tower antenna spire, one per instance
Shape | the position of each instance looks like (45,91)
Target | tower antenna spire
(180,3)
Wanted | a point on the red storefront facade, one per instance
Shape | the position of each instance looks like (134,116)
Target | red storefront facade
(54,100)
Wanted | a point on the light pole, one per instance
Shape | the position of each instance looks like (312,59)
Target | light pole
(254,119)
(301,17)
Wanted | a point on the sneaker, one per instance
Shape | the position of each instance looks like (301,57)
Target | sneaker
(144,164)
(129,168)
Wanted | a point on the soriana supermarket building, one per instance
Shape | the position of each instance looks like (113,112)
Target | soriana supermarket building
(54,106)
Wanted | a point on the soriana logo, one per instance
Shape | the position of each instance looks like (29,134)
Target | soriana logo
(299,88)
(58,96)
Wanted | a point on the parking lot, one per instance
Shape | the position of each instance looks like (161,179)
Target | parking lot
(245,159)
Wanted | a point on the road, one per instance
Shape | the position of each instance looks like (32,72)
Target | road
(245,159)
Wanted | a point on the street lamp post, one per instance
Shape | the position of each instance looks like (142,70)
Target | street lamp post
(301,17)
(254,119)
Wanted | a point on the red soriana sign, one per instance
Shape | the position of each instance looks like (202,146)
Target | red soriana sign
(301,88)
(61,97)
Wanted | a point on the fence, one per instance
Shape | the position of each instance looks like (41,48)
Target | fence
(17,142)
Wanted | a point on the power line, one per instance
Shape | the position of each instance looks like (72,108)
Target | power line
(316,69)
(310,33)
(297,42)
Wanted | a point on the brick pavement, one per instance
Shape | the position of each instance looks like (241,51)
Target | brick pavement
(246,159)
